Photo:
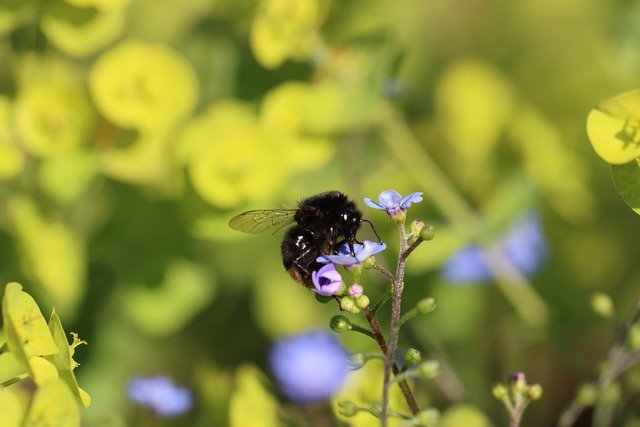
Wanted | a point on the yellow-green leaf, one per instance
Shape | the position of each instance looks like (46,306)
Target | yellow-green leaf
(53,406)
(10,367)
(63,360)
(251,404)
(627,180)
(613,127)
(10,408)
(22,317)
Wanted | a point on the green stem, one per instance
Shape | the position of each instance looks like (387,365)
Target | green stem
(13,380)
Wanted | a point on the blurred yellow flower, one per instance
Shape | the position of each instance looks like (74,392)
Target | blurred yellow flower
(231,158)
(82,37)
(52,112)
(284,29)
(142,85)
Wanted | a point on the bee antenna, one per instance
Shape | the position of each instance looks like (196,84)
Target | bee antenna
(374,229)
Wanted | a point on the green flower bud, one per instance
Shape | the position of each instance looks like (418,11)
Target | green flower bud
(357,361)
(412,357)
(534,392)
(634,337)
(426,305)
(340,324)
(348,304)
(500,392)
(416,227)
(430,369)
(362,301)
(602,304)
(369,262)
(518,382)
(427,418)
(347,408)
(587,394)
(427,233)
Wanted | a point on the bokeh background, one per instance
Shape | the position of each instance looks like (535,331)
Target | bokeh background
(132,130)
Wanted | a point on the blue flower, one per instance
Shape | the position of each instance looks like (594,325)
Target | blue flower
(392,202)
(309,367)
(160,394)
(523,244)
(362,252)
(327,281)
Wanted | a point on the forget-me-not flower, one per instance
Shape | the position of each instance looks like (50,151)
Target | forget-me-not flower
(392,202)
(160,395)
(309,367)
(362,252)
(523,244)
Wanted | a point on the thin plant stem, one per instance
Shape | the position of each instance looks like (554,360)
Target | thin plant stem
(396,308)
(619,362)
(379,337)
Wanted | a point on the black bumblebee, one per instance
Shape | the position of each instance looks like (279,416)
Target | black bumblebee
(321,224)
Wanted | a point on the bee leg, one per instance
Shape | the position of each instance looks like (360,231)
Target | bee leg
(298,265)
(374,230)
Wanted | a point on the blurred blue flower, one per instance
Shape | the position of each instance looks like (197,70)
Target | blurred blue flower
(392,202)
(309,367)
(327,281)
(362,252)
(160,395)
(523,244)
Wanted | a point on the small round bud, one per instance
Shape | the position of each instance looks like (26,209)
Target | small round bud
(427,233)
(588,394)
(534,392)
(426,305)
(356,361)
(518,382)
(348,304)
(416,227)
(427,418)
(602,304)
(347,408)
(340,324)
(355,271)
(634,337)
(500,392)
(430,369)
(355,290)
(362,302)
(412,357)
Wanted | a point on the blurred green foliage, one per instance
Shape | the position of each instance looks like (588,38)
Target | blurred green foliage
(132,130)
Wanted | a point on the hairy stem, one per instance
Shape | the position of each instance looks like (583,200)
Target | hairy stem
(379,337)
(396,308)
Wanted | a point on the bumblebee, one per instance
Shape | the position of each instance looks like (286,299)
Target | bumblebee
(320,224)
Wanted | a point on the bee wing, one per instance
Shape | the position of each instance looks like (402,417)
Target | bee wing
(261,220)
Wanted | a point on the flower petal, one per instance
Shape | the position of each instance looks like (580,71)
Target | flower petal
(390,199)
(373,204)
(411,198)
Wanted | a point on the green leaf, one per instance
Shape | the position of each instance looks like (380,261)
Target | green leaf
(53,406)
(63,360)
(613,127)
(627,181)
(10,408)
(251,405)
